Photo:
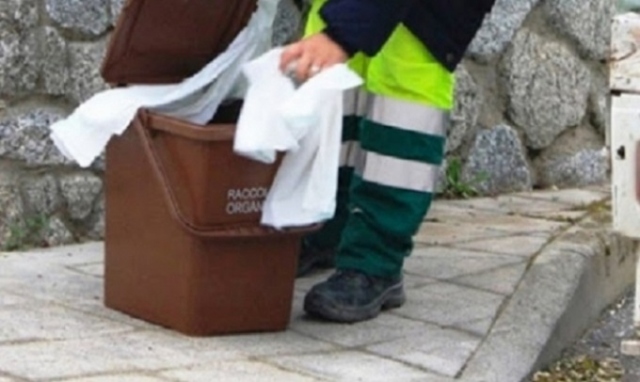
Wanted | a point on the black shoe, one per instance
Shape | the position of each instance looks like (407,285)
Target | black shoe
(352,296)
(312,258)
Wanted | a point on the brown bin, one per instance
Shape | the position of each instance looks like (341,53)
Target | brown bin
(184,247)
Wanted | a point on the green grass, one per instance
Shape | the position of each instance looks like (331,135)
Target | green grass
(456,187)
(24,232)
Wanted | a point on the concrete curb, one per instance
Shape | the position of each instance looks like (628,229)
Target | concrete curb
(569,283)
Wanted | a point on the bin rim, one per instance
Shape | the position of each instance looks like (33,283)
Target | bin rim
(141,126)
(176,126)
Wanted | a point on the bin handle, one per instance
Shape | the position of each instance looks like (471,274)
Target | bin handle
(171,200)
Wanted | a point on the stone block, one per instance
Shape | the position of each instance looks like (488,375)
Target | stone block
(511,205)
(466,110)
(41,194)
(24,136)
(435,262)
(18,62)
(448,233)
(85,60)
(577,197)
(23,13)
(54,62)
(87,17)
(547,87)
(384,328)
(497,162)
(451,306)
(577,158)
(237,371)
(34,322)
(536,307)
(353,366)
(502,280)
(519,245)
(588,23)
(499,27)
(118,378)
(77,358)
(80,191)
(56,233)
(443,351)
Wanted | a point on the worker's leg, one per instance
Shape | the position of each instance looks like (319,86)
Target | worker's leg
(402,139)
(318,249)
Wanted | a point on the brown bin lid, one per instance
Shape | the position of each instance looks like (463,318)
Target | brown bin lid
(165,41)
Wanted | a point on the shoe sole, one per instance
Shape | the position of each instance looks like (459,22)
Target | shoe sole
(393,297)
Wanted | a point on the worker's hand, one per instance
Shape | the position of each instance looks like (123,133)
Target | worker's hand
(311,55)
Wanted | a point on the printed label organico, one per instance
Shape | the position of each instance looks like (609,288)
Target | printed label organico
(245,200)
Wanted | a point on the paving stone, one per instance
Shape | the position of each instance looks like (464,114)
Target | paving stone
(202,350)
(574,197)
(35,321)
(521,224)
(509,204)
(560,216)
(507,223)
(118,378)
(70,254)
(60,359)
(3,379)
(386,327)
(269,344)
(444,351)
(447,211)
(240,371)
(151,351)
(461,213)
(91,269)
(439,263)
(531,316)
(416,281)
(448,233)
(450,305)
(8,300)
(520,245)
(478,327)
(44,280)
(353,366)
(604,189)
(502,280)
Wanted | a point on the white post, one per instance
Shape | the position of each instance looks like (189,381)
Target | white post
(624,138)
(631,347)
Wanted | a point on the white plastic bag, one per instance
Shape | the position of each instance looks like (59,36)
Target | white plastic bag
(83,136)
(261,129)
(307,124)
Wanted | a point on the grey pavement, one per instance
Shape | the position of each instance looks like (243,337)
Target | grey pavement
(496,288)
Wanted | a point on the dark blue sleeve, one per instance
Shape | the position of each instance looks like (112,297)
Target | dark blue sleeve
(363,25)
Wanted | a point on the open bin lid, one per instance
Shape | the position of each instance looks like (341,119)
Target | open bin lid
(166,41)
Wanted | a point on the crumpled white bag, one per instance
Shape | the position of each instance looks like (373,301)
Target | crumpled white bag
(307,124)
(84,135)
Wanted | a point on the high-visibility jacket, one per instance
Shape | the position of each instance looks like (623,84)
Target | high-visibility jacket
(445,27)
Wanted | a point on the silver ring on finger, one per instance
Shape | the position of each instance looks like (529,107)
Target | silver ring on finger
(315,69)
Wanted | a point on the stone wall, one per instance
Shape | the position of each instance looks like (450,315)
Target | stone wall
(531,105)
